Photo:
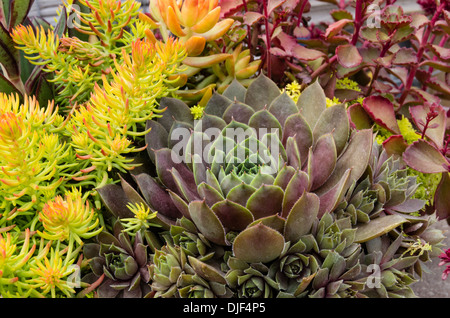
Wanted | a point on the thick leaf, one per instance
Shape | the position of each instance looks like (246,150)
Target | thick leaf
(264,122)
(298,184)
(424,157)
(405,56)
(297,127)
(312,102)
(336,27)
(235,91)
(355,157)
(206,61)
(156,138)
(301,217)
(239,112)
(282,107)
(174,109)
(251,18)
(330,200)
(267,200)
(207,222)
(377,227)
(258,243)
(241,193)
(261,92)
(441,52)
(323,160)
(381,110)
(206,271)
(217,105)
(358,117)
(395,145)
(333,120)
(156,196)
(115,200)
(348,55)
(441,197)
(233,216)
(19,11)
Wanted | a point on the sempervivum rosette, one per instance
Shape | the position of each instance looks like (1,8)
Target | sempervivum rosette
(261,190)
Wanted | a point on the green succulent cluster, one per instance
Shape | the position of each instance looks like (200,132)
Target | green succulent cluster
(297,215)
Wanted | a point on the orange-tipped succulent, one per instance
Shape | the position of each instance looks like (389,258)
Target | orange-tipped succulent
(69,218)
(106,129)
(212,61)
(32,157)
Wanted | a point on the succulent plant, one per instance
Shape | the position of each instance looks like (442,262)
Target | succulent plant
(213,44)
(269,183)
(123,261)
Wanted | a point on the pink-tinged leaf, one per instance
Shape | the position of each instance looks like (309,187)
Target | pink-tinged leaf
(336,27)
(424,157)
(409,206)
(435,132)
(441,197)
(273,4)
(381,110)
(405,56)
(258,243)
(358,117)
(251,17)
(301,217)
(439,65)
(330,199)
(348,55)
(418,20)
(229,7)
(395,145)
(341,14)
(292,48)
(207,222)
(323,160)
(441,52)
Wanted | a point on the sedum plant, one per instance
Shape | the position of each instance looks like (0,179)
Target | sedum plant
(214,48)
(271,198)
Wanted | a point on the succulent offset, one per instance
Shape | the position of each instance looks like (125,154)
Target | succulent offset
(288,200)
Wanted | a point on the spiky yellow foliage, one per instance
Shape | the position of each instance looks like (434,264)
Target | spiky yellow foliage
(69,217)
(32,157)
(104,130)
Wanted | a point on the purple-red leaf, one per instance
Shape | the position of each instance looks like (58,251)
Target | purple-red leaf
(348,55)
(441,201)
(251,17)
(424,157)
(395,145)
(381,110)
(436,128)
(336,27)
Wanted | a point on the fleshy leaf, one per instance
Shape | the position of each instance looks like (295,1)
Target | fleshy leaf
(207,222)
(282,107)
(261,92)
(323,160)
(301,217)
(333,120)
(206,271)
(424,157)
(381,110)
(239,112)
(298,184)
(260,206)
(156,196)
(441,200)
(395,145)
(258,243)
(297,127)
(232,215)
(156,138)
(235,91)
(348,55)
(378,227)
(312,102)
(115,200)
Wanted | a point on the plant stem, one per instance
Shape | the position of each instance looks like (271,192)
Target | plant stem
(266,24)
(300,14)
(358,20)
(420,52)
(378,67)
